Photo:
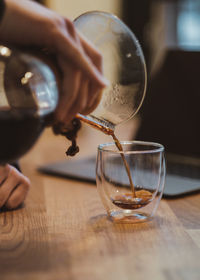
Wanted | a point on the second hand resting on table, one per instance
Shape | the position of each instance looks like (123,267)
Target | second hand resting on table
(26,23)
(14,187)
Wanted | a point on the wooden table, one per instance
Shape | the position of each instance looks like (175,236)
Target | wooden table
(62,232)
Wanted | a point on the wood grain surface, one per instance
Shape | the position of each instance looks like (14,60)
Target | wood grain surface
(62,231)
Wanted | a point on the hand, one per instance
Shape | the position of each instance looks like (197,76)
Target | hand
(27,23)
(14,187)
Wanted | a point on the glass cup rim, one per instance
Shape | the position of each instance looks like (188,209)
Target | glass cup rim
(156,147)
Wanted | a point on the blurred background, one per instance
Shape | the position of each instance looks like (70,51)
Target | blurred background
(169,33)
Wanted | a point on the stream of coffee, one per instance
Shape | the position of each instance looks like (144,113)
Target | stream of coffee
(120,148)
(135,199)
(110,132)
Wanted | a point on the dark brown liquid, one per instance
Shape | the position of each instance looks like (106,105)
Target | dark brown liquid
(129,201)
(135,199)
(18,134)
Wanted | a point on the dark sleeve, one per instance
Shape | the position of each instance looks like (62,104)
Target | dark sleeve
(2,9)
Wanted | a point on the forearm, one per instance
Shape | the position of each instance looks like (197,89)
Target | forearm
(24,22)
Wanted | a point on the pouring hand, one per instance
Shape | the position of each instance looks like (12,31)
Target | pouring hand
(26,23)
(14,187)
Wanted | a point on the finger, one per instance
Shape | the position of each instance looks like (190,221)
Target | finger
(73,32)
(92,106)
(93,99)
(4,171)
(18,195)
(69,91)
(95,96)
(92,52)
(11,181)
(81,102)
(68,47)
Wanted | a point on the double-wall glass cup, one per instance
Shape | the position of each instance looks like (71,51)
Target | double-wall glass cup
(135,201)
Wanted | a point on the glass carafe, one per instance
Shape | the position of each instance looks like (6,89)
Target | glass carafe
(29,89)
(28,95)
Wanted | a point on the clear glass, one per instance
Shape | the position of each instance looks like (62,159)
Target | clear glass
(124,67)
(147,168)
(28,85)
(28,95)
